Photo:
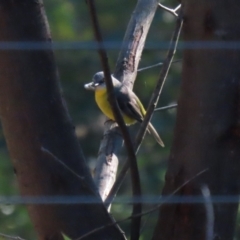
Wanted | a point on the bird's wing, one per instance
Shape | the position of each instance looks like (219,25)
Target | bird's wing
(129,103)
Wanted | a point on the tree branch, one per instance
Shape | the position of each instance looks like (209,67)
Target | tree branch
(156,65)
(162,78)
(170,10)
(5,236)
(165,108)
(134,41)
(149,211)
(107,162)
(151,107)
(136,188)
(209,212)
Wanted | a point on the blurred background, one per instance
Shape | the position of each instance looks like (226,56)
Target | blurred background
(77,62)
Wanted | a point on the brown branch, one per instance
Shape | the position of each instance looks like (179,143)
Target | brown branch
(146,212)
(151,107)
(136,188)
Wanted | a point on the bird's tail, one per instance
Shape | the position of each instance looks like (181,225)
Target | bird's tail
(153,131)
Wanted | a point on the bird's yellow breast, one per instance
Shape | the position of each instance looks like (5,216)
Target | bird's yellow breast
(103,103)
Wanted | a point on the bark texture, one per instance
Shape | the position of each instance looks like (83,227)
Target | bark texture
(207,132)
(126,71)
(39,132)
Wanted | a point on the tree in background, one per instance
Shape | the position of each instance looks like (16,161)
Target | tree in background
(40,134)
(206,134)
(43,151)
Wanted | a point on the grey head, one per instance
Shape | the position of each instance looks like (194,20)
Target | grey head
(98,82)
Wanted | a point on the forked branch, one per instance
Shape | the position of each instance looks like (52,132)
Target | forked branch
(151,107)
(136,188)
(170,10)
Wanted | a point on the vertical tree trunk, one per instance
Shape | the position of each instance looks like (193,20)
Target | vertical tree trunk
(207,132)
(38,129)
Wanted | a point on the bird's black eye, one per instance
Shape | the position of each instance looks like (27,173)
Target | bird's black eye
(101,81)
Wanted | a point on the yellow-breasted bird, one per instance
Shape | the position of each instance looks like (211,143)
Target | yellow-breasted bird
(131,107)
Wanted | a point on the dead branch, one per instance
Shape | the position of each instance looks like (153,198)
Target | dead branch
(149,211)
(170,10)
(209,212)
(5,236)
(107,162)
(151,107)
(136,187)
(166,107)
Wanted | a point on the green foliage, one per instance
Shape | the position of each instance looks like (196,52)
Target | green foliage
(69,21)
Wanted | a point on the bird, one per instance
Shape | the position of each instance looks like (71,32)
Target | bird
(131,107)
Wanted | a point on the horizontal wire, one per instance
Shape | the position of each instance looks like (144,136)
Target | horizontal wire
(12,200)
(114,45)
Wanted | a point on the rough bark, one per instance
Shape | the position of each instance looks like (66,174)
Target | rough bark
(126,71)
(39,132)
(134,41)
(207,128)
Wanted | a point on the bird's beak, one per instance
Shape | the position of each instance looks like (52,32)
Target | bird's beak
(89,86)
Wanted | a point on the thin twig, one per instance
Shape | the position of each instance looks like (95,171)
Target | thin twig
(165,108)
(156,65)
(56,159)
(11,237)
(152,210)
(146,212)
(152,104)
(136,188)
(170,10)
(161,80)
